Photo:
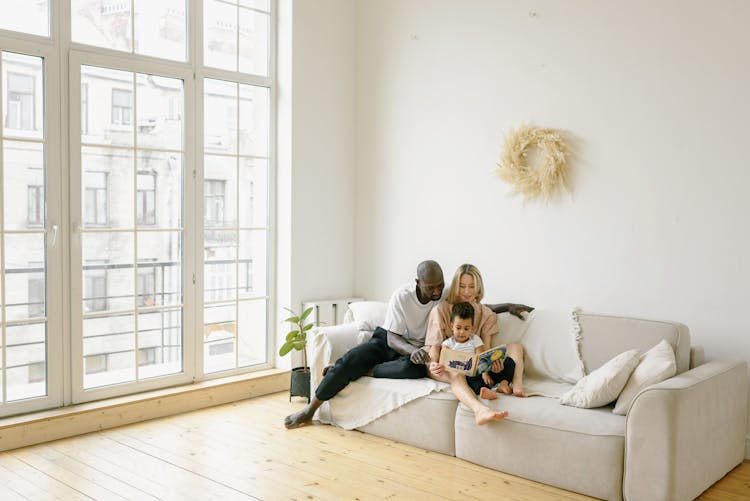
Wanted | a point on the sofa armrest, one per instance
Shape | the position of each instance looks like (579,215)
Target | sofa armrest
(327,344)
(685,433)
(697,356)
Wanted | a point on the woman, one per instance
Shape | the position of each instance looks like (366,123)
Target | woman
(467,286)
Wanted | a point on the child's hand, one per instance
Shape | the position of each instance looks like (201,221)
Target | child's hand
(497,366)
(437,368)
(487,379)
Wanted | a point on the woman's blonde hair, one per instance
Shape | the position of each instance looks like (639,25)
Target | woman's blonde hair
(471,270)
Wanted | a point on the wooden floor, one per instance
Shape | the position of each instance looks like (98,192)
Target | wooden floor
(242,451)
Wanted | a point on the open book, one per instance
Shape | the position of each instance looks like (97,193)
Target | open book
(471,364)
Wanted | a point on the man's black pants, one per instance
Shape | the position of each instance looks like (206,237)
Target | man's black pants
(357,362)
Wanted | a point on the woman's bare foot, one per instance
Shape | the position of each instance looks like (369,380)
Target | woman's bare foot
(299,418)
(518,391)
(504,387)
(484,416)
(487,394)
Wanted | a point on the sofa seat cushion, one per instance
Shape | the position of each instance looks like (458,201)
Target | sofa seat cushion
(427,422)
(577,449)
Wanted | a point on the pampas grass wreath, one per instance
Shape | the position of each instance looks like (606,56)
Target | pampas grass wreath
(536,182)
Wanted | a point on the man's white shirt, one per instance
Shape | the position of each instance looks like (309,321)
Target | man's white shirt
(406,316)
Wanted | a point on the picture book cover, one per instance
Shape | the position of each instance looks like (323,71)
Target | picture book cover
(471,364)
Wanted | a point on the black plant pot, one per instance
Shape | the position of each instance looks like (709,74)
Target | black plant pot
(299,386)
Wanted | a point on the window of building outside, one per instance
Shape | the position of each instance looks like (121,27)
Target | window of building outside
(121,106)
(138,178)
(35,197)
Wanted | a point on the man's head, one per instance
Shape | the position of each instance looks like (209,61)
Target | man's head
(462,321)
(430,282)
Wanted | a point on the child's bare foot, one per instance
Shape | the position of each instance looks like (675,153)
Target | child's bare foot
(487,394)
(484,416)
(504,387)
(299,418)
(518,391)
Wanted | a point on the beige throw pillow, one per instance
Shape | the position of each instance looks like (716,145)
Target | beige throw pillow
(656,365)
(603,385)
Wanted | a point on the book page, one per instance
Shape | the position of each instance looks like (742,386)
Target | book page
(458,361)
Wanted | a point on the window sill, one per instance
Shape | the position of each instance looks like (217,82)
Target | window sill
(45,426)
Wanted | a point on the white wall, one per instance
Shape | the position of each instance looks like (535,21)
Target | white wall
(316,153)
(655,95)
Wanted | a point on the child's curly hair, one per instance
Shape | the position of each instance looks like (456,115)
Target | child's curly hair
(462,310)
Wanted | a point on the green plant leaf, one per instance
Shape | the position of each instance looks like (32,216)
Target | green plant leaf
(294,320)
(292,335)
(299,345)
(306,314)
(286,348)
(307,327)
(290,310)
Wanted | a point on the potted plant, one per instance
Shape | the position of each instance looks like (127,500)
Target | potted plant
(296,339)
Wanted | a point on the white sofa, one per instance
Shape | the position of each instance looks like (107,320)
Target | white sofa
(678,437)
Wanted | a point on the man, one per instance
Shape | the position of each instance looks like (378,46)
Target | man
(396,349)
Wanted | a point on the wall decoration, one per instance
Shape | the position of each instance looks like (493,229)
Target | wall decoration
(534,182)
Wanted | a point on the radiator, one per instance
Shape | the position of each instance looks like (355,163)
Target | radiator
(329,311)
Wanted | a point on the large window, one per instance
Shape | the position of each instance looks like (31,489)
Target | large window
(166,133)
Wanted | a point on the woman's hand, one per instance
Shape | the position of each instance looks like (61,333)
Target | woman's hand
(497,366)
(487,379)
(437,368)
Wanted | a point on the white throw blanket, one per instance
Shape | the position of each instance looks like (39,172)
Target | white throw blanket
(368,398)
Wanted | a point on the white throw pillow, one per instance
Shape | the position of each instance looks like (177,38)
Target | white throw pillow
(604,384)
(368,314)
(551,347)
(656,365)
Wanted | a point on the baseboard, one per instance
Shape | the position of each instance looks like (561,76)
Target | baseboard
(45,426)
(747,447)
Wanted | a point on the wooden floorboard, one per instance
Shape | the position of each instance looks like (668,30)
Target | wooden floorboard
(242,451)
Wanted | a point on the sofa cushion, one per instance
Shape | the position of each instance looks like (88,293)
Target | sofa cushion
(368,314)
(427,422)
(603,385)
(577,449)
(656,365)
(604,336)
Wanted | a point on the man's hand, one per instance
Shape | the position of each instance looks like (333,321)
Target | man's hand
(487,379)
(517,309)
(437,368)
(512,308)
(419,356)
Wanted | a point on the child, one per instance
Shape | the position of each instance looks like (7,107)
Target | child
(464,339)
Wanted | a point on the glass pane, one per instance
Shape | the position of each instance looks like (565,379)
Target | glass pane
(254,120)
(220,116)
(251,336)
(160,28)
(107,191)
(256,4)
(159,206)
(220,35)
(159,268)
(220,192)
(24,276)
(253,197)
(26,361)
(219,332)
(104,23)
(159,343)
(160,104)
(107,271)
(108,350)
(23,95)
(252,263)
(254,28)
(219,267)
(108,106)
(23,185)
(28,16)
